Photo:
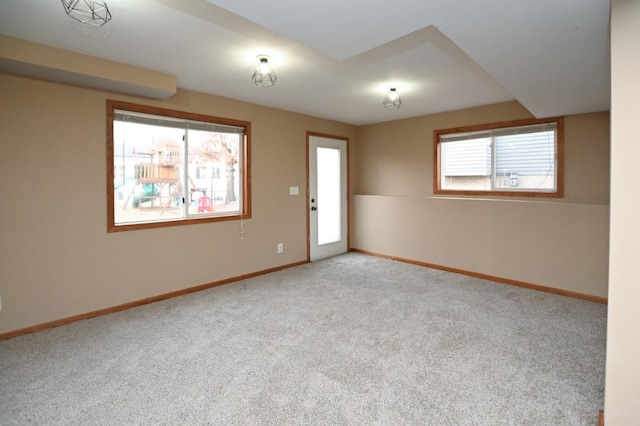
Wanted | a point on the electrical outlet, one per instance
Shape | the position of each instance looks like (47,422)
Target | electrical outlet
(280,248)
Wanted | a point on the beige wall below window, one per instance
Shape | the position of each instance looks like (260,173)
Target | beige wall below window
(557,242)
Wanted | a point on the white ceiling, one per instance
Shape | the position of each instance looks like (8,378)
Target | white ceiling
(336,59)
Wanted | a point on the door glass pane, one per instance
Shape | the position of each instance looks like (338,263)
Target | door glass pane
(328,195)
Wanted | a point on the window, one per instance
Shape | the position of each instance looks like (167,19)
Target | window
(201,173)
(171,168)
(519,158)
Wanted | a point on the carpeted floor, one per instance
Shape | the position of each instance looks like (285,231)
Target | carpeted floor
(354,340)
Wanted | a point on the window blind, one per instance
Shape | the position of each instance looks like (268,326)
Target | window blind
(176,123)
(490,133)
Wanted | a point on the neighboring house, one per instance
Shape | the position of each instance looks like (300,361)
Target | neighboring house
(522,161)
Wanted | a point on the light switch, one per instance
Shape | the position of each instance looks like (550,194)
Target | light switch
(293,190)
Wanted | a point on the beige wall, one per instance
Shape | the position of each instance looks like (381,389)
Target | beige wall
(394,158)
(622,392)
(560,243)
(56,258)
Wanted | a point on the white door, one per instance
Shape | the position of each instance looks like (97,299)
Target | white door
(327,203)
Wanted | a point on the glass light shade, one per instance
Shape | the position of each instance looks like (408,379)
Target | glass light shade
(95,13)
(264,75)
(392,101)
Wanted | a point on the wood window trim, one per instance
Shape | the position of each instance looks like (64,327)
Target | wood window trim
(113,105)
(559,193)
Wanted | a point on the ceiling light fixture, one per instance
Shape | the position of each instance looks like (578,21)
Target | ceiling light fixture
(392,100)
(264,75)
(95,13)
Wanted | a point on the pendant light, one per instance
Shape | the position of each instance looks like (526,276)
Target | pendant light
(264,75)
(392,100)
(90,12)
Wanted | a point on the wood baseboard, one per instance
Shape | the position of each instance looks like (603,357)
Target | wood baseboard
(124,306)
(500,280)
(113,309)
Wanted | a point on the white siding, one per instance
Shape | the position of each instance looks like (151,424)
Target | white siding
(530,154)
